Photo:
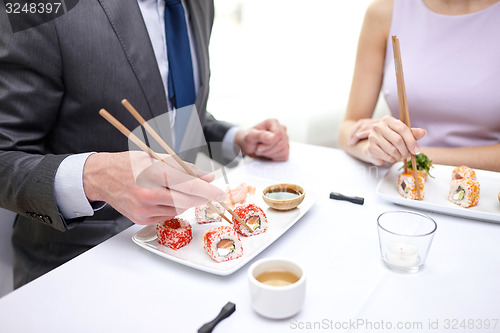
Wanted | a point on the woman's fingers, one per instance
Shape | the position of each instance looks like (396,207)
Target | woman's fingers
(361,130)
(391,140)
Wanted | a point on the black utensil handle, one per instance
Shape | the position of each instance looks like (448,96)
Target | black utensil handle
(226,311)
(355,200)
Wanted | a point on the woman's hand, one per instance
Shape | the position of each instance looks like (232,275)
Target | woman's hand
(387,139)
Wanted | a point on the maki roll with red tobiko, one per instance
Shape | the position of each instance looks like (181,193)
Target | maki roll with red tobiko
(254,218)
(205,214)
(222,244)
(174,233)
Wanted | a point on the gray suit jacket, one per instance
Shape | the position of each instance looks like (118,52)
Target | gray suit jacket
(54,78)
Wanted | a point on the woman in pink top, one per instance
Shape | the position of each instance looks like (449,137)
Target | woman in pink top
(450,52)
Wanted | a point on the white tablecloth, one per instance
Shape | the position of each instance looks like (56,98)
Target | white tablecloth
(120,287)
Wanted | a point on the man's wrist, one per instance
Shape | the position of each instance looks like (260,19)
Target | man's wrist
(90,168)
(68,187)
(230,147)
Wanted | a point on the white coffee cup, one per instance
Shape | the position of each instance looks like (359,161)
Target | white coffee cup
(277,287)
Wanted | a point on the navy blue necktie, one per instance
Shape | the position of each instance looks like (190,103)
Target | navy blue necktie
(180,67)
(181,90)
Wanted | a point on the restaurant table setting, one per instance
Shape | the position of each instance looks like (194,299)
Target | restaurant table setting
(352,276)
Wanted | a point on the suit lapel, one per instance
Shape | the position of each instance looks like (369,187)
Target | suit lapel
(126,20)
(197,18)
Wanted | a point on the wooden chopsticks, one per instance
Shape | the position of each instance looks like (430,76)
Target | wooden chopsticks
(125,131)
(404,114)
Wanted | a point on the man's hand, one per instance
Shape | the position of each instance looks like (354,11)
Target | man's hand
(266,140)
(144,190)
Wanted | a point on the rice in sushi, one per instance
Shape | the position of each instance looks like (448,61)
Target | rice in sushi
(408,188)
(174,233)
(222,244)
(205,214)
(463,172)
(254,218)
(464,192)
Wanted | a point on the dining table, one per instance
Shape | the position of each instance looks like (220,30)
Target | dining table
(118,286)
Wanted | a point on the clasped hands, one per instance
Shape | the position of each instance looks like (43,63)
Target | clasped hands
(267,139)
(386,139)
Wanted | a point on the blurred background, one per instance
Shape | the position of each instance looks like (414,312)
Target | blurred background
(287,59)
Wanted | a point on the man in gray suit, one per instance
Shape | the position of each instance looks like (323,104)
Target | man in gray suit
(60,161)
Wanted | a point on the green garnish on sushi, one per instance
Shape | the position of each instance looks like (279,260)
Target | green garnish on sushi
(423,164)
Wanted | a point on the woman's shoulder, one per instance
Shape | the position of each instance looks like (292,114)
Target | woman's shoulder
(380,10)
(379,16)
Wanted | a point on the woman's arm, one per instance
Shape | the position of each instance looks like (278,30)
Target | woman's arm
(374,140)
(388,140)
(367,79)
(479,157)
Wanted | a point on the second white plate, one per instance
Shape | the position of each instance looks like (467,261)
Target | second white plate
(436,193)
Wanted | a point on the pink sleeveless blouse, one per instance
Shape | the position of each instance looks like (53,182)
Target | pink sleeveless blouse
(451,66)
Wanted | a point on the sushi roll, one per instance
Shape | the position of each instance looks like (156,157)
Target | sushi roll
(463,172)
(464,192)
(254,218)
(408,188)
(222,244)
(174,233)
(205,214)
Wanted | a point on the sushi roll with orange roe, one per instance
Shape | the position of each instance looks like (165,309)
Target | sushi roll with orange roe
(464,192)
(253,217)
(174,233)
(407,186)
(222,244)
(463,172)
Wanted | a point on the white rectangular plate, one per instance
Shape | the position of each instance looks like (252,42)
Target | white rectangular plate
(193,254)
(436,193)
